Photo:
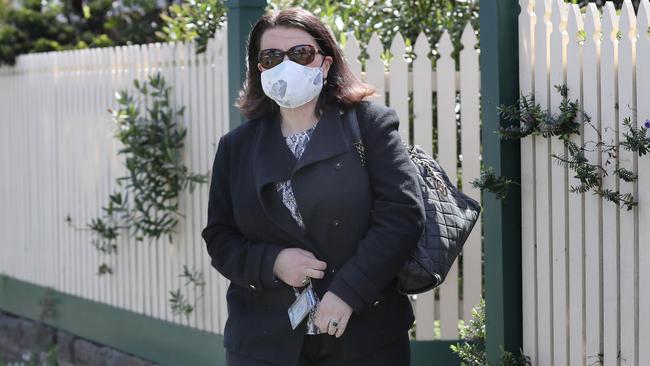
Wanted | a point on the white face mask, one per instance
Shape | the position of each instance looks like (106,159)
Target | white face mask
(291,85)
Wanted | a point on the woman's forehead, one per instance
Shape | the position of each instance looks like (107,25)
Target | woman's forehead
(284,38)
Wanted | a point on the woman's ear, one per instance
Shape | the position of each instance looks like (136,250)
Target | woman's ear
(326,65)
(259,67)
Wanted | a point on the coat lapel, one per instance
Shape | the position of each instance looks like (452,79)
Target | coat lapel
(274,162)
(326,141)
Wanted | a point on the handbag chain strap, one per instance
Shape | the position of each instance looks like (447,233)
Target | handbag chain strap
(356,132)
(434,177)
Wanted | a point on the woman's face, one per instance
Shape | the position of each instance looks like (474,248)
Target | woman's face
(283,38)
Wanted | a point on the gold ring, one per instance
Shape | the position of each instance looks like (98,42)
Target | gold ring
(334,323)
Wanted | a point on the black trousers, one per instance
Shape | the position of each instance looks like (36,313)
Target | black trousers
(325,350)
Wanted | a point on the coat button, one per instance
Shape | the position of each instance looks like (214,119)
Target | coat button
(376,303)
(336,223)
(338,165)
(252,286)
(333,269)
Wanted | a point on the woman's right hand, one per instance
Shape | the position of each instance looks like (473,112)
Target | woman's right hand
(292,265)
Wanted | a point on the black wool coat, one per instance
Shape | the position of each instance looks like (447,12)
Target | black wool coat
(362,221)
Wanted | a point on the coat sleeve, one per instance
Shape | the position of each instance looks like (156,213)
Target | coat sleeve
(246,263)
(398,219)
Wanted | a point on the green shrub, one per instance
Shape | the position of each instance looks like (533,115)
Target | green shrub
(472,350)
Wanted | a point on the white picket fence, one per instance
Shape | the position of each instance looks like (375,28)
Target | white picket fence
(423,81)
(59,158)
(586,263)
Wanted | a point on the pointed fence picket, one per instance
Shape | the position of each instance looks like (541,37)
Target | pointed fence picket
(526,82)
(558,179)
(628,160)
(575,262)
(542,193)
(642,79)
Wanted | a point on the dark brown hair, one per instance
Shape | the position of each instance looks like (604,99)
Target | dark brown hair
(341,84)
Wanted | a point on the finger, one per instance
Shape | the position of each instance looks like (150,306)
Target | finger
(298,282)
(331,330)
(342,325)
(306,253)
(314,273)
(316,264)
(322,319)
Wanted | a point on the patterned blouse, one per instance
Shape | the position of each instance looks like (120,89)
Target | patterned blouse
(297,143)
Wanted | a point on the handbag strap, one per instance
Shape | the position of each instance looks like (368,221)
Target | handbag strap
(356,133)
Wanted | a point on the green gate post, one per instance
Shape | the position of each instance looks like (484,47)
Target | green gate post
(242,14)
(502,219)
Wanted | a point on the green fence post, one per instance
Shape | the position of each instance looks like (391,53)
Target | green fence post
(502,218)
(242,14)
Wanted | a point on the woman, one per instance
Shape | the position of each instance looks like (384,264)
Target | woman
(292,209)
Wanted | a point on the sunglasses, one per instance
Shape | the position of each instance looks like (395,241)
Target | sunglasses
(302,54)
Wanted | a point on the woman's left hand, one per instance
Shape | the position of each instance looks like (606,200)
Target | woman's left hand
(332,307)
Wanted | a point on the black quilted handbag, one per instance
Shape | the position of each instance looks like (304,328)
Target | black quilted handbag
(450,217)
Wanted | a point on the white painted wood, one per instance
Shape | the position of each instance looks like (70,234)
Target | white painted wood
(121,266)
(398,88)
(593,204)
(57,212)
(375,68)
(627,160)
(69,233)
(131,260)
(148,256)
(643,254)
(214,131)
(108,58)
(471,165)
(422,136)
(63,211)
(94,144)
(196,118)
(165,57)
(148,244)
(575,201)
(224,282)
(526,85)
(105,55)
(559,193)
(186,253)
(543,205)
(609,98)
(424,316)
(201,192)
(142,257)
(422,95)
(93,160)
(352,52)
(177,247)
(80,247)
(72,204)
(213,105)
(447,157)
(80,209)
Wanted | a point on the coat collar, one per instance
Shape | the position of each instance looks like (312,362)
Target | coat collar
(274,162)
